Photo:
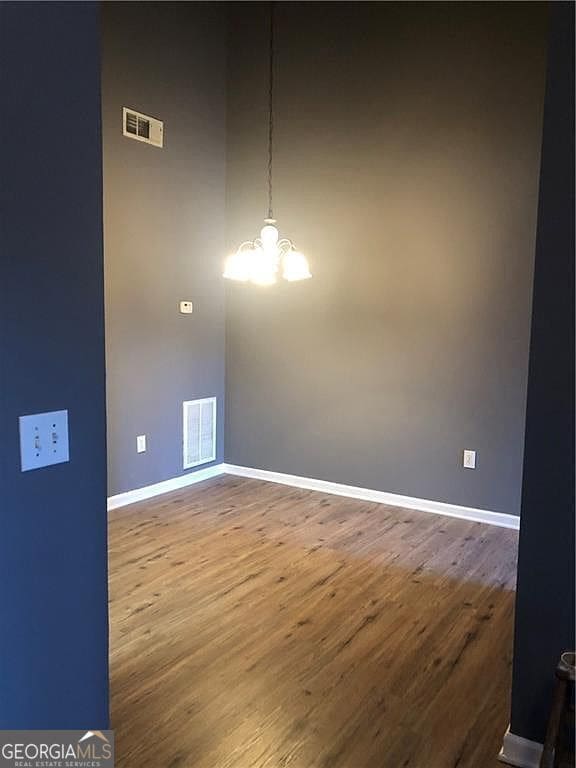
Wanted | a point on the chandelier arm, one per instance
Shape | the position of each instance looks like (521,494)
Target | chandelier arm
(285,244)
(245,245)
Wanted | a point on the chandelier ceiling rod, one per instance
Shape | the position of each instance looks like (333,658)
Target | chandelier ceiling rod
(270,109)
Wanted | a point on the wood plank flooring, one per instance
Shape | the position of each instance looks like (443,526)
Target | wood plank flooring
(259,626)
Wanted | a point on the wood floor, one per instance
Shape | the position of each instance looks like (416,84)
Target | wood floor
(259,626)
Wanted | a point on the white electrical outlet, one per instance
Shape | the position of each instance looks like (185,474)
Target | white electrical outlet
(469,460)
(141,443)
(186,307)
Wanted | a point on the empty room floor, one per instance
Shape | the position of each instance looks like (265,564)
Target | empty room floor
(255,625)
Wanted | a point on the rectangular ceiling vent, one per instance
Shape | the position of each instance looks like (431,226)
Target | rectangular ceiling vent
(141,127)
(199,431)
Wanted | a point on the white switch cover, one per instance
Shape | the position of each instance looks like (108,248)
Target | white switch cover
(43,440)
(141,443)
(186,307)
(469,461)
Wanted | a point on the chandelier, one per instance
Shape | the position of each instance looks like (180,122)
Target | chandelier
(261,260)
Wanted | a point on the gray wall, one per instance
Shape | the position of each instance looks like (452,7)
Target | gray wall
(407,158)
(163,229)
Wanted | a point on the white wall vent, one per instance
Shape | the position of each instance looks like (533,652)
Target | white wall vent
(141,127)
(199,431)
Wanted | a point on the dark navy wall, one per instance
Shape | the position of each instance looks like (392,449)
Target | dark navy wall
(545,598)
(53,585)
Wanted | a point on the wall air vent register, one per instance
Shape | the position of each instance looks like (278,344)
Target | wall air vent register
(141,127)
(199,431)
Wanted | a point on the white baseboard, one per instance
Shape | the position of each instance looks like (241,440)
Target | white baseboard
(520,752)
(381,497)
(338,489)
(148,491)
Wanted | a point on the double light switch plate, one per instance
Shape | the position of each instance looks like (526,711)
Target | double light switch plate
(43,439)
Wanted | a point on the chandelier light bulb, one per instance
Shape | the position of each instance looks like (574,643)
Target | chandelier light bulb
(237,267)
(263,267)
(269,236)
(295,266)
